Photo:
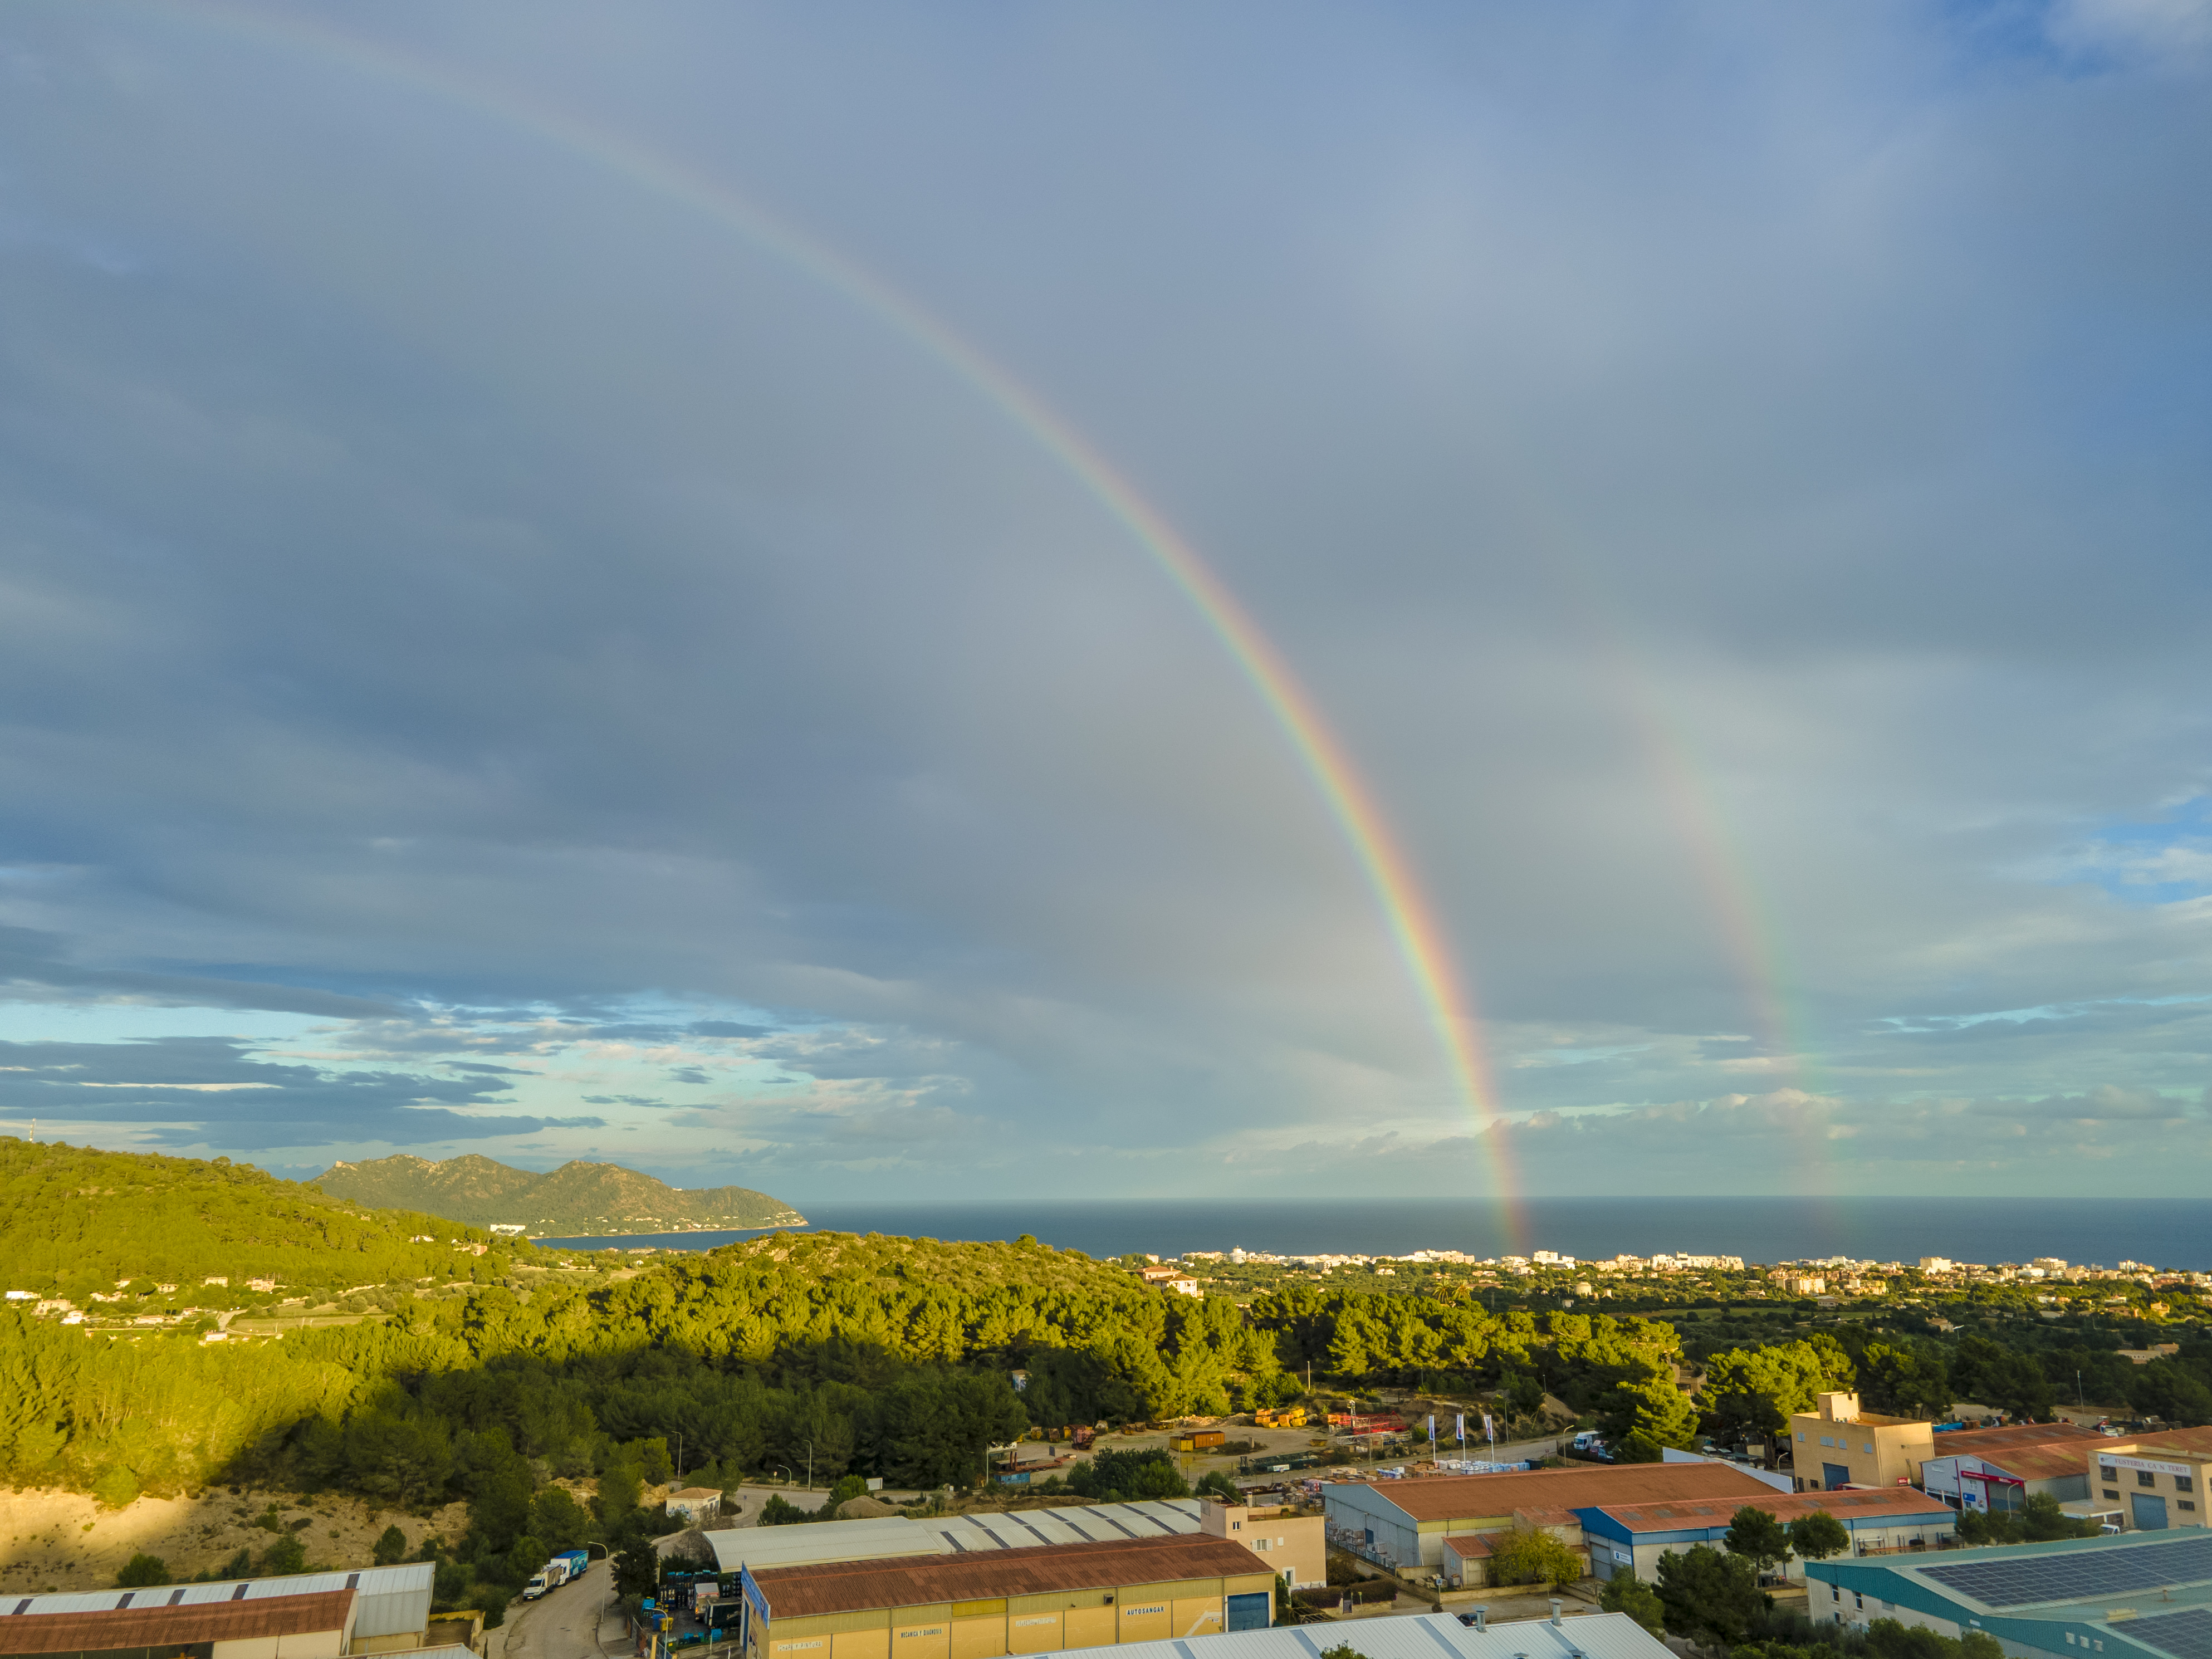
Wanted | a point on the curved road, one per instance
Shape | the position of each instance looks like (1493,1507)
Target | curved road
(572,1622)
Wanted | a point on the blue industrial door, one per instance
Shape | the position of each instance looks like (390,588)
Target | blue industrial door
(1834,1475)
(2150,1511)
(1248,1611)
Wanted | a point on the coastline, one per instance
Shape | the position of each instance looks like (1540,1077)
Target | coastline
(2171,1233)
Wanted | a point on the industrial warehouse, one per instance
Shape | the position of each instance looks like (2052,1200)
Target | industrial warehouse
(1291,1541)
(328,1615)
(1402,1524)
(1632,1537)
(1998,1469)
(1036,1600)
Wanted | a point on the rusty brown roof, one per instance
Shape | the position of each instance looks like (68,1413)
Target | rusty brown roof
(1989,1443)
(1471,1497)
(2197,1440)
(919,1580)
(161,1625)
(1877,1503)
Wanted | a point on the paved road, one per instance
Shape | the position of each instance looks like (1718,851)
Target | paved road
(753,1496)
(568,1623)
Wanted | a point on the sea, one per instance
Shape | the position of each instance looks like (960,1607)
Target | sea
(2173,1233)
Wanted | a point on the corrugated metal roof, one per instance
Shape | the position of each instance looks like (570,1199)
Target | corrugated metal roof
(370,1581)
(1470,1497)
(1882,1504)
(821,1541)
(849,1586)
(810,1542)
(2043,1463)
(1430,1636)
(160,1617)
(1091,1523)
(1983,1442)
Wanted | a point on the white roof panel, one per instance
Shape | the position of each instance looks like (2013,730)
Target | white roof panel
(368,1581)
(824,1540)
(893,1535)
(1430,1636)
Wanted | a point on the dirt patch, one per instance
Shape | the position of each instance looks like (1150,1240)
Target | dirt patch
(60,1540)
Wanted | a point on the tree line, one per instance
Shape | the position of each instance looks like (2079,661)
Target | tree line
(1757,1388)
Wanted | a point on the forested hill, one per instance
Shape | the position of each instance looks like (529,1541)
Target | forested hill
(883,1356)
(74,1220)
(578,1198)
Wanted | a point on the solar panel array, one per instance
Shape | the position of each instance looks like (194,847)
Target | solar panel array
(2186,1635)
(2079,1575)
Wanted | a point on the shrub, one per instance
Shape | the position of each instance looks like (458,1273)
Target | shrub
(143,1570)
(1529,1555)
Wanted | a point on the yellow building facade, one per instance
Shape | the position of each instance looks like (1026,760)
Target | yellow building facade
(1290,1545)
(1836,1444)
(1049,1598)
(2154,1481)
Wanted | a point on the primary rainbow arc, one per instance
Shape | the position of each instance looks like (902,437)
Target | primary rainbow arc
(1411,918)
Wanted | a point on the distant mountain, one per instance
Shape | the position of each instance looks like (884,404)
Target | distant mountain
(578,1200)
(82,1220)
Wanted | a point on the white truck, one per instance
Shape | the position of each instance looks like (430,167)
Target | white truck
(552,1575)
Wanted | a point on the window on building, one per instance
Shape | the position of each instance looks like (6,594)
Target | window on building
(2113,1493)
(2184,1483)
(2145,1478)
(2187,1503)
(1836,1590)
(1869,1445)
(1800,1437)
(2107,1472)
(1858,1600)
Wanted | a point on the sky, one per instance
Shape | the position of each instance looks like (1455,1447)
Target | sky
(585,582)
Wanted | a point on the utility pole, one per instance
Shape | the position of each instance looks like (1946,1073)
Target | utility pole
(679,1459)
(810,1466)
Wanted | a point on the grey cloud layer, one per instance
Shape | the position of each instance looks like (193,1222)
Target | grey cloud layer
(1735,480)
(197,1090)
